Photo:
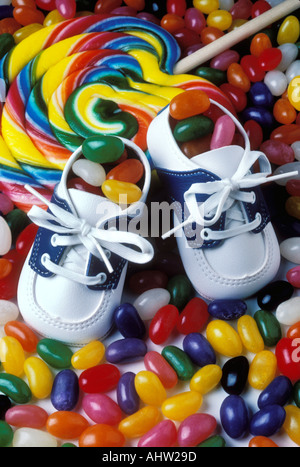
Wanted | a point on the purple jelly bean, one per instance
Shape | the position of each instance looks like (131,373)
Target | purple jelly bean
(224,60)
(268,421)
(65,390)
(127,396)
(224,132)
(260,95)
(278,392)
(195,20)
(234,417)
(126,350)
(6,11)
(129,322)
(197,347)
(227,310)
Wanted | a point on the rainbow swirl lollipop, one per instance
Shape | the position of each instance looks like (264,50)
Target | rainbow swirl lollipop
(83,77)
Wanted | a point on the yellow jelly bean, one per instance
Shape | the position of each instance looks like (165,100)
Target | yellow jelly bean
(262,370)
(289,31)
(220,19)
(88,356)
(39,376)
(237,23)
(141,422)
(206,379)
(206,6)
(292,423)
(181,406)
(250,335)
(54,17)
(149,388)
(121,192)
(22,33)
(12,356)
(224,339)
(292,206)
(294,93)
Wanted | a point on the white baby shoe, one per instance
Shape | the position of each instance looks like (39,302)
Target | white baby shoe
(225,238)
(73,278)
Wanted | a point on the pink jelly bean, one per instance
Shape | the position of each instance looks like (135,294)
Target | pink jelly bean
(156,363)
(6,205)
(224,60)
(241,9)
(163,435)
(29,416)
(102,409)
(293,276)
(195,429)
(67,8)
(124,11)
(223,133)
(148,17)
(277,152)
(195,20)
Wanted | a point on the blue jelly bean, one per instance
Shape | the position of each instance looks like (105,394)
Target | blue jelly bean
(126,350)
(6,11)
(65,390)
(260,95)
(227,310)
(197,347)
(129,322)
(260,115)
(234,416)
(127,397)
(267,421)
(278,392)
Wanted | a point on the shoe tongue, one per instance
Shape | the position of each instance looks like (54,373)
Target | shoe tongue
(223,162)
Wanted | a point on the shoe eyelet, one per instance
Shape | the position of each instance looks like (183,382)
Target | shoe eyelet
(205,234)
(54,240)
(254,197)
(44,258)
(258,217)
(103,278)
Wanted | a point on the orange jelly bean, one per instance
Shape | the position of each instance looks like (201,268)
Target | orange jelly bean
(189,104)
(101,436)
(26,15)
(66,425)
(259,43)
(130,171)
(29,3)
(262,442)
(284,112)
(210,34)
(237,77)
(9,26)
(294,331)
(172,23)
(288,134)
(5,268)
(23,334)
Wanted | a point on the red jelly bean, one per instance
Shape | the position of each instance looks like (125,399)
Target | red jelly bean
(210,34)
(237,96)
(106,6)
(100,378)
(138,5)
(9,284)
(237,77)
(26,238)
(30,416)
(176,7)
(288,134)
(259,8)
(270,59)
(29,3)
(277,152)
(156,363)
(47,5)
(172,23)
(194,317)
(6,205)
(255,134)
(293,187)
(22,333)
(9,26)
(186,38)
(163,324)
(252,68)
(130,171)
(242,9)
(288,360)
(26,16)
(293,276)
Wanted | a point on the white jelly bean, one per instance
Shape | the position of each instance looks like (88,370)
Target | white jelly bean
(289,55)
(288,313)
(296,148)
(290,250)
(6,238)
(277,82)
(8,312)
(150,302)
(32,438)
(293,71)
(226,4)
(91,172)
(285,169)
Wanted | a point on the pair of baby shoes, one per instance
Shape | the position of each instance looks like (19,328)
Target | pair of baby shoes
(73,278)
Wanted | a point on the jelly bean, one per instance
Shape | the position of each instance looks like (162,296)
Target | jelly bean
(6,237)
(206,379)
(288,358)
(195,20)
(260,95)
(154,362)
(293,187)
(26,31)
(121,192)
(189,104)
(6,205)
(225,59)
(284,113)
(290,250)
(291,425)
(235,375)
(101,436)
(296,148)
(260,7)
(250,335)
(262,442)
(181,291)
(292,73)
(162,435)
(277,152)
(126,350)
(81,185)
(294,166)
(148,303)
(194,317)
(21,332)
(236,95)
(195,147)
(39,376)
(65,391)
(149,388)
(289,55)
(88,356)
(195,429)
(268,421)
(260,43)
(260,115)
(237,77)
(46,5)
(289,31)
(269,327)
(54,17)
(9,285)
(186,38)
(9,26)
(103,149)
(7,42)
(220,19)
(142,281)
(91,172)
(17,220)
(278,392)
(130,171)
(277,82)
(181,406)
(172,23)
(106,6)
(67,8)
(293,276)
(100,378)
(210,34)
(227,310)
(68,445)
(224,339)
(102,409)
(12,355)
(179,361)
(288,312)
(127,397)
(163,324)
(252,67)
(27,15)
(296,393)
(138,424)
(262,370)
(213,442)
(55,353)
(197,347)
(293,93)
(191,128)
(6,434)
(234,417)
(66,425)
(30,416)
(15,388)
(223,133)
(8,312)
(128,322)
(292,206)
(25,239)
(270,59)
(5,405)
(177,7)
(294,331)
(206,6)
(31,437)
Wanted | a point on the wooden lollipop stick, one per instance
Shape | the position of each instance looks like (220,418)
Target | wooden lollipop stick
(237,35)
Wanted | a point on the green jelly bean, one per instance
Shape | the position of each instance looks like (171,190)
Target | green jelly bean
(7,42)
(6,434)
(15,388)
(215,76)
(55,353)
(192,128)
(181,291)
(213,442)
(269,327)
(179,361)
(296,393)
(17,220)
(103,149)
(68,445)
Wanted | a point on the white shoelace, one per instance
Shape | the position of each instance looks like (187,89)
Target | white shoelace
(70,231)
